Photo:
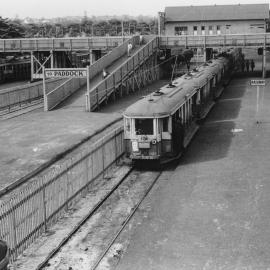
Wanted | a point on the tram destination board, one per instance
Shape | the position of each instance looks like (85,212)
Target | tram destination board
(257,82)
(65,73)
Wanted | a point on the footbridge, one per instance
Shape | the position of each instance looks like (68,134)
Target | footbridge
(110,42)
(125,73)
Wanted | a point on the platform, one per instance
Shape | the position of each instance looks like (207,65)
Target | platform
(32,139)
(214,211)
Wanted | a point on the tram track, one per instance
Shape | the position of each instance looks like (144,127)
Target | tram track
(111,216)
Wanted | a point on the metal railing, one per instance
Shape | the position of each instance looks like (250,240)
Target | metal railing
(64,44)
(57,95)
(19,95)
(232,40)
(111,57)
(35,207)
(107,86)
(60,44)
(61,92)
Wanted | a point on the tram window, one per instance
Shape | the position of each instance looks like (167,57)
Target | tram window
(144,127)
(165,124)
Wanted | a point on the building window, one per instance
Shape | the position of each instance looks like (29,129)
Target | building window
(210,30)
(203,30)
(180,30)
(228,29)
(218,29)
(195,30)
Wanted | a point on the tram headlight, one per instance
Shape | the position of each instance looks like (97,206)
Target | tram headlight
(154,141)
(135,146)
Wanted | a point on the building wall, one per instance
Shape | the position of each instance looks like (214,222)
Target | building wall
(226,27)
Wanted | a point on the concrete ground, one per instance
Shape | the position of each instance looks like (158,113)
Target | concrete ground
(30,140)
(214,212)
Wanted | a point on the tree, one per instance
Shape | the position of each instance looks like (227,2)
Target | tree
(9,29)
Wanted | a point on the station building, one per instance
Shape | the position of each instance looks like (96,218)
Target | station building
(214,20)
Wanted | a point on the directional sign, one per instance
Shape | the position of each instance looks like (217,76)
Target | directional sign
(257,82)
(66,72)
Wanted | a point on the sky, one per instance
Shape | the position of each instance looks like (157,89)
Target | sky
(61,8)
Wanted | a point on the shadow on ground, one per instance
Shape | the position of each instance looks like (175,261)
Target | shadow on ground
(215,135)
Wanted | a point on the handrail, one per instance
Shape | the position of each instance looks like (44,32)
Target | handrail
(67,88)
(61,85)
(110,57)
(124,63)
(86,43)
(107,85)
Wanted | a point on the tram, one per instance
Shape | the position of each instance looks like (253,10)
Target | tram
(159,126)
(15,70)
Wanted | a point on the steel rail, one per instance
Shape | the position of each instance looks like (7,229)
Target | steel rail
(82,222)
(125,223)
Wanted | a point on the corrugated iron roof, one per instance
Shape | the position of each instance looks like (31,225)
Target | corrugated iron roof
(217,12)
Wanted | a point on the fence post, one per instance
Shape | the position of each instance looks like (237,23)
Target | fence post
(44,90)
(97,98)
(115,148)
(87,169)
(103,161)
(14,228)
(44,205)
(114,87)
(67,186)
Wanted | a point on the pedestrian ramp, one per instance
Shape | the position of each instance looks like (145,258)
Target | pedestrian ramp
(125,74)
(71,90)
(133,73)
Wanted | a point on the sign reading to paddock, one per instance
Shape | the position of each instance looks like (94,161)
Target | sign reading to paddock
(257,82)
(66,72)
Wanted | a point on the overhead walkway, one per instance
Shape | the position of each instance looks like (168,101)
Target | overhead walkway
(88,43)
(60,44)
(209,41)
(125,74)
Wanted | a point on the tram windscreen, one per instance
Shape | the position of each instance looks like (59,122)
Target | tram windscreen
(144,127)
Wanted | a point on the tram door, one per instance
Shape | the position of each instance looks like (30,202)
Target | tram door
(177,133)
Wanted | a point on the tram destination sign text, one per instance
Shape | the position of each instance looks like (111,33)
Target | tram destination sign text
(66,73)
(257,82)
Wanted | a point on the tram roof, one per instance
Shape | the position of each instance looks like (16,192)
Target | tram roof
(167,99)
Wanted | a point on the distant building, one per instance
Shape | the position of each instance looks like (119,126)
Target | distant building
(214,20)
